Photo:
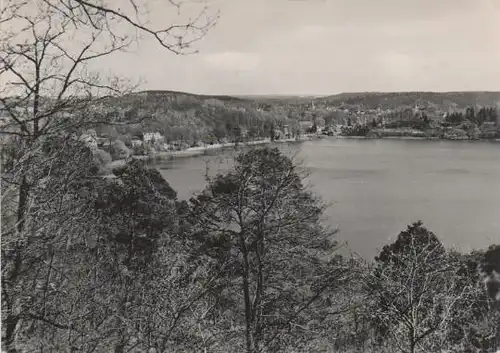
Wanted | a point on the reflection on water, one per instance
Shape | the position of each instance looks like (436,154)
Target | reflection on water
(379,186)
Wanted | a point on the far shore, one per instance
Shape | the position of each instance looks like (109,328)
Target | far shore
(430,138)
(202,150)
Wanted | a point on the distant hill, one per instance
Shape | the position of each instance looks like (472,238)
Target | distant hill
(177,94)
(279,97)
(182,115)
(391,100)
(368,100)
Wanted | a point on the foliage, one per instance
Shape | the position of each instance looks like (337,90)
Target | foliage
(103,267)
(395,100)
(490,271)
(425,298)
(118,150)
(120,264)
(143,149)
(126,139)
(455,118)
(475,322)
(454,133)
(56,296)
(485,114)
(260,222)
(97,265)
(407,312)
(356,130)
(421,123)
(313,129)
(102,160)
(60,176)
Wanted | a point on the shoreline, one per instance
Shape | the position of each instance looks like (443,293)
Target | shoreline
(203,150)
(412,138)
(200,151)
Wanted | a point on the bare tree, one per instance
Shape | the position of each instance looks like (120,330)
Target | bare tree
(30,259)
(101,265)
(261,220)
(474,323)
(45,51)
(47,48)
(415,289)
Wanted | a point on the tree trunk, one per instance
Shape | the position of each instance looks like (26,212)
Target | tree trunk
(248,303)
(248,316)
(412,340)
(21,206)
(12,320)
(119,348)
(10,330)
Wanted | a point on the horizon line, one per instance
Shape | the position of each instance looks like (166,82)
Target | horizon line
(310,94)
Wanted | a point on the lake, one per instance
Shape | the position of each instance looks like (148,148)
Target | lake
(377,187)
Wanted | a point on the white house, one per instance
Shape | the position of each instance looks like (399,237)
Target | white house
(152,136)
(136,142)
(89,138)
(286,130)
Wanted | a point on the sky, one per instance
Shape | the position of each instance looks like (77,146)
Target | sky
(320,47)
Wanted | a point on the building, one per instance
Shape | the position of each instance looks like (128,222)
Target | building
(89,138)
(287,131)
(103,142)
(152,136)
(136,142)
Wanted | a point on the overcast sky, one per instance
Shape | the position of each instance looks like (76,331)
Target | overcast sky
(331,46)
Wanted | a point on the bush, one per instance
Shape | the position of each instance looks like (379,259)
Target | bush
(455,134)
(490,270)
(418,124)
(142,150)
(119,150)
(356,130)
(125,139)
(102,160)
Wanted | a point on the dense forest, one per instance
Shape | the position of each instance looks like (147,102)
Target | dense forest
(186,117)
(122,265)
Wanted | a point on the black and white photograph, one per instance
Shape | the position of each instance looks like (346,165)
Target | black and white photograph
(254,176)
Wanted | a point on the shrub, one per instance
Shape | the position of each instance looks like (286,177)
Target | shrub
(102,160)
(119,150)
(356,130)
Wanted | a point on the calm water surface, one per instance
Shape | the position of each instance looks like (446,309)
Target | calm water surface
(377,187)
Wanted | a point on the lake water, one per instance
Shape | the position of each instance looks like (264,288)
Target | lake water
(377,187)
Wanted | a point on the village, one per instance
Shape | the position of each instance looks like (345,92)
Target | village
(317,120)
(279,122)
